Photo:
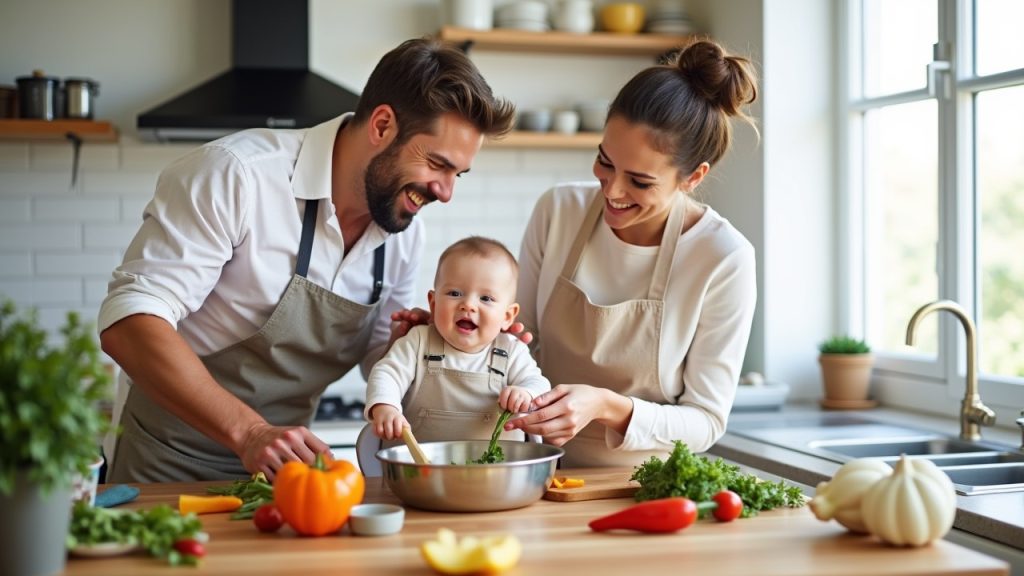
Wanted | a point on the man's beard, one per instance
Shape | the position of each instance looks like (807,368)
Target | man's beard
(384,189)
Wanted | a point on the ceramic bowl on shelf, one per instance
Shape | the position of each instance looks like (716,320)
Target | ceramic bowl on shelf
(538,120)
(623,17)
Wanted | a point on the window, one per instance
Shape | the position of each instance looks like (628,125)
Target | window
(933,134)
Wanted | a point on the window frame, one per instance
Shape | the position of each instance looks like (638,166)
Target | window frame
(919,381)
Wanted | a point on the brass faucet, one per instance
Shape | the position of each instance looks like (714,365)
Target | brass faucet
(973,414)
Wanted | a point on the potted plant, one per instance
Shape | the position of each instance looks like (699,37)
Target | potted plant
(51,423)
(846,371)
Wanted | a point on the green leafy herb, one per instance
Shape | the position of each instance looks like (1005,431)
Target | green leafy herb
(698,478)
(156,529)
(494,453)
(50,419)
(254,492)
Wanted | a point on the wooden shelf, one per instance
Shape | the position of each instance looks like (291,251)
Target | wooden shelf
(88,130)
(564,42)
(522,139)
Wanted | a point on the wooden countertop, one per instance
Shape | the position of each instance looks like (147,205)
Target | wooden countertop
(555,540)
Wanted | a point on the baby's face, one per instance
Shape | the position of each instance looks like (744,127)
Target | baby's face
(472,300)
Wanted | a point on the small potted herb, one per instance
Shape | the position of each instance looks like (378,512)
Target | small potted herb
(51,423)
(846,371)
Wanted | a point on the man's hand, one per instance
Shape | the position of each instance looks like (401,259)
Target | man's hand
(388,421)
(266,448)
(518,330)
(514,399)
(403,320)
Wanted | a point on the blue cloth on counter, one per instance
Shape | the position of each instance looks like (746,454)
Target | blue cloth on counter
(117,494)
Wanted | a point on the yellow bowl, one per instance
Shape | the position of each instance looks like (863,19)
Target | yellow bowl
(623,17)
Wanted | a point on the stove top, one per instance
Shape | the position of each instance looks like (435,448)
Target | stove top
(337,408)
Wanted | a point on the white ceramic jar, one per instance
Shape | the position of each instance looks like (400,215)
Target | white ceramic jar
(575,16)
(473,14)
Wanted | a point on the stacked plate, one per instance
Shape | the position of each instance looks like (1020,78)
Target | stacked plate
(669,17)
(529,15)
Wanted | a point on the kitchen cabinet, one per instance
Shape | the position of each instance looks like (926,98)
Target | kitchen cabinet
(556,539)
(596,44)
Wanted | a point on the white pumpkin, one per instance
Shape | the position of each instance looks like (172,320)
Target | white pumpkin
(913,506)
(840,498)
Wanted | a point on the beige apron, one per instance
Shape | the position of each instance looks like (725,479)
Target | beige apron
(469,399)
(312,338)
(614,347)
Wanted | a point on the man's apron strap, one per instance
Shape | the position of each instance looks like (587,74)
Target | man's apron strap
(306,243)
(378,273)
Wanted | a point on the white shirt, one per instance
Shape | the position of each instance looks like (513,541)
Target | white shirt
(403,366)
(219,241)
(709,306)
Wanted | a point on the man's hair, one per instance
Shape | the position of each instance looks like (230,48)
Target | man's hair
(423,79)
(479,246)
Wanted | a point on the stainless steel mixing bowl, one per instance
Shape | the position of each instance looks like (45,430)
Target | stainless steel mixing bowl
(448,484)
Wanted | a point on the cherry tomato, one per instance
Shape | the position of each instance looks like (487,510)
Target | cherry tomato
(730,505)
(190,547)
(267,518)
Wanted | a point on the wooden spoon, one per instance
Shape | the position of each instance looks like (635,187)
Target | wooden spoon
(414,447)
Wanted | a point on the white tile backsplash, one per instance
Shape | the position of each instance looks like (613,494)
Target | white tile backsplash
(51,209)
(40,236)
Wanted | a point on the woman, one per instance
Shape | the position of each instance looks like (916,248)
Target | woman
(641,297)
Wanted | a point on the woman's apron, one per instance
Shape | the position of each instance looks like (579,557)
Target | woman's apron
(614,347)
(312,338)
(450,404)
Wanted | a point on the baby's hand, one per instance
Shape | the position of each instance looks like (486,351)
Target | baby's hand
(515,399)
(388,422)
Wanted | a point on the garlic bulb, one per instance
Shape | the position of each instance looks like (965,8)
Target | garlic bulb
(913,506)
(841,497)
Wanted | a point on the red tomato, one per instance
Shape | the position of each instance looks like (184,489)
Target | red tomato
(267,518)
(730,505)
(190,547)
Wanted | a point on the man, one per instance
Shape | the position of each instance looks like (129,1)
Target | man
(270,262)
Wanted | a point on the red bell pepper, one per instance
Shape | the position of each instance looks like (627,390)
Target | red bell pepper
(659,516)
(669,514)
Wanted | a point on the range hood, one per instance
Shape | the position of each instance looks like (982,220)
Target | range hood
(269,85)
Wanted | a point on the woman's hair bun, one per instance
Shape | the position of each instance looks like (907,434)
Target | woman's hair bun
(723,80)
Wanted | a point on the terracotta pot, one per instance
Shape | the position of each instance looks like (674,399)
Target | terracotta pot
(847,377)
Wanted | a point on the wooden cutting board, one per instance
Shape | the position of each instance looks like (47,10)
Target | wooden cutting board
(598,485)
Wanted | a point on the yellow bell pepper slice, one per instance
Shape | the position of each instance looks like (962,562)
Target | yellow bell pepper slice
(471,555)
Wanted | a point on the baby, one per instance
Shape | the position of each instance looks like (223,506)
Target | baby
(449,377)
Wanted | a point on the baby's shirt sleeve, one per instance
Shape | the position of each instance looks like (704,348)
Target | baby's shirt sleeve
(523,370)
(394,373)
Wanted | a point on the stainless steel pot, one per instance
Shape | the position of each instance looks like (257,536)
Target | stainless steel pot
(79,97)
(39,96)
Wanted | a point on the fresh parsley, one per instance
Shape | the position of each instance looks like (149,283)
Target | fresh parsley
(155,529)
(699,478)
(254,492)
(494,453)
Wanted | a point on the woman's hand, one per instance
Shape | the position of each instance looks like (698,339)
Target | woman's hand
(518,329)
(403,320)
(561,413)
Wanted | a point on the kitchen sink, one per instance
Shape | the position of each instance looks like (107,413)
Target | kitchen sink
(975,467)
(987,479)
(911,446)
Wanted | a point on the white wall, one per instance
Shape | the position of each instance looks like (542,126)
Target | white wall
(780,191)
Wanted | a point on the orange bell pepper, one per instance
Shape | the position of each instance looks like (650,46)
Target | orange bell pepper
(316,499)
(208,504)
(567,482)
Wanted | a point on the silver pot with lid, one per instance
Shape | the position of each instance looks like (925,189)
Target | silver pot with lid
(39,96)
(79,97)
